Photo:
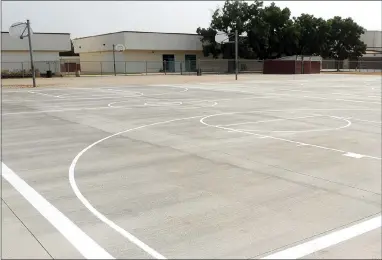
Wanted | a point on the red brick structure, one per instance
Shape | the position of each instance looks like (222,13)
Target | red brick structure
(291,67)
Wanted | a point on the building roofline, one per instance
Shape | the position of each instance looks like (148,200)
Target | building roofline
(44,33)
(103,34)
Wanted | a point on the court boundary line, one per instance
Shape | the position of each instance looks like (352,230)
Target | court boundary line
(87,247)
(330,239)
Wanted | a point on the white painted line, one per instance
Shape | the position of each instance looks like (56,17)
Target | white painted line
(367,121)
(82,242)
(273,137)
(166,93)
(270,120)
(354,155)
(55,110)
(98,214)
(328,240)
(348,123)
(315,97)
(43,94)
(72,99)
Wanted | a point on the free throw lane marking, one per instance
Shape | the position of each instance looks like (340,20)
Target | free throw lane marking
(88,248)
(328,240)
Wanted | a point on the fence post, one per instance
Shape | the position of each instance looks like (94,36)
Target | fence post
(66,68)
(181,68)
(125,68)
(22,68)
(146,67)
(164,67)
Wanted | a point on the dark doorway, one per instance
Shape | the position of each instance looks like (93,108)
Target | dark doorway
(169,62)
(190,60)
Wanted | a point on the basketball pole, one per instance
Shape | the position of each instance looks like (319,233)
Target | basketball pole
(115,71)
(31,53)
(236,54)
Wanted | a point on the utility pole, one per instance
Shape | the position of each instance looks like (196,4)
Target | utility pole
(115,71)
(236,54)
(31,53)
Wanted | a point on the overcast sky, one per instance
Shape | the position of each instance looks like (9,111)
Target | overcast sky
(84,18)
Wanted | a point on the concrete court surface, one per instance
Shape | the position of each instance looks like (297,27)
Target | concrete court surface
(265,166)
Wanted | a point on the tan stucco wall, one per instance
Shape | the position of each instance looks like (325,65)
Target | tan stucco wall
(133,61)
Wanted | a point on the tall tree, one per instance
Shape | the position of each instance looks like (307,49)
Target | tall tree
(344,40)
(234,15)
(271,33)
(312,33)
(279,33)
(210,46)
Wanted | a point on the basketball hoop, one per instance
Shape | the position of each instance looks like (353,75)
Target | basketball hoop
(221,37)
(19,30)
(119,47)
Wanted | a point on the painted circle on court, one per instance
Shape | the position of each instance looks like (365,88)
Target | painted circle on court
(277,125)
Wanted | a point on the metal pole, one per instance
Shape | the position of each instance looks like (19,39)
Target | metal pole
(115,71)
(236,54)
(31,53)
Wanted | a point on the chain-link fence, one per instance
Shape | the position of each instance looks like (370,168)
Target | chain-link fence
(359,66)
(188,67)
(228,66)
(23,69)
(137,67)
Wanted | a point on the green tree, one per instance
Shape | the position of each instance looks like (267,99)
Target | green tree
(344,40)
(312,34)
(275,31)
(271,33)
(210,46)
(234,15)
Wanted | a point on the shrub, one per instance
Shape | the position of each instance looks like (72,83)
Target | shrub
(7,74)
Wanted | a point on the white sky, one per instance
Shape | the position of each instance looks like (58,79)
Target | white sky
(84,18)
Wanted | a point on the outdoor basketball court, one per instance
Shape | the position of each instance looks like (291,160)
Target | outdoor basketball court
(266,166)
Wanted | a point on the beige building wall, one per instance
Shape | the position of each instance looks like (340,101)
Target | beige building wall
(20,60)
(133,61)
(46,48)
(373,40)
